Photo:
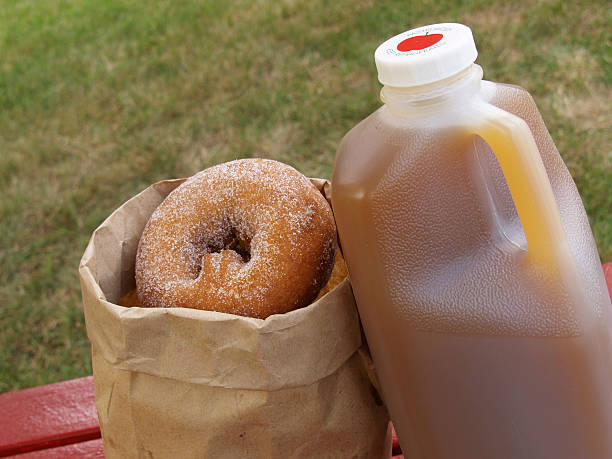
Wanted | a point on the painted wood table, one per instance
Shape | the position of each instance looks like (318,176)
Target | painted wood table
(60,421)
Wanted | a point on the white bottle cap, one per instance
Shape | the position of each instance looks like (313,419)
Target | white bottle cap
(424,55)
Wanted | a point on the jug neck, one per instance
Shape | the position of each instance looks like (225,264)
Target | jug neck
(417,100)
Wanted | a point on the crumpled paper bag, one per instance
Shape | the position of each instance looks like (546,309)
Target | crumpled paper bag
(187,383)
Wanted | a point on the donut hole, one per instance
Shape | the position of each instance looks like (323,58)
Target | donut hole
(241,247)
(233,240)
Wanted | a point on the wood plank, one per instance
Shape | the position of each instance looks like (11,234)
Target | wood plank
(607,269)
(396,449)
(48,416)
(92,449)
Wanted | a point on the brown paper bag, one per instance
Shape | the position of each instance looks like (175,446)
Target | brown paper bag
(187,383)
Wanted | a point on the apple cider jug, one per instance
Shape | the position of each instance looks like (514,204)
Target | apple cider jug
(472,263)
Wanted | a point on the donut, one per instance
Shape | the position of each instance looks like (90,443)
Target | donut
(251,237)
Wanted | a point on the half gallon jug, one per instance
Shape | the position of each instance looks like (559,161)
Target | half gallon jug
(472,262)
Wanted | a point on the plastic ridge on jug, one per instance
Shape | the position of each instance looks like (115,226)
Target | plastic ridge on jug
(472,263)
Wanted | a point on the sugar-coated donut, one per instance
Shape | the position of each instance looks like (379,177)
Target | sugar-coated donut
(252,237)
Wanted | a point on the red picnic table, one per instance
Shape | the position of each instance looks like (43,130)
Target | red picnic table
(60,420)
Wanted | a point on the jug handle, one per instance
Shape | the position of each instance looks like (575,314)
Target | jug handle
(519,158)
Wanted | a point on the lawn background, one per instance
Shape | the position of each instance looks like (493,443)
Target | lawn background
(101,98)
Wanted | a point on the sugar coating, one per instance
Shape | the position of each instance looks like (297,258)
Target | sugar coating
(251,237)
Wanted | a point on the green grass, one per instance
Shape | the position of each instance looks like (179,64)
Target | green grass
(100,99)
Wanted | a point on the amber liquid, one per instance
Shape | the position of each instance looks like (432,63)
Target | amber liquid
(480,353)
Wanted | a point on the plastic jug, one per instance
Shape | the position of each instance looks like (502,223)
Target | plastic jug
(472,262)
